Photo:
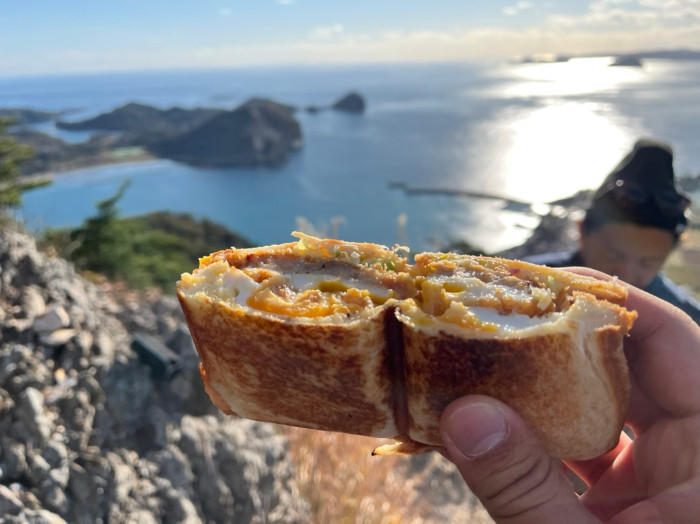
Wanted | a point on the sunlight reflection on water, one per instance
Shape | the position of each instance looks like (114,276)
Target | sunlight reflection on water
(579,76)
(530,132)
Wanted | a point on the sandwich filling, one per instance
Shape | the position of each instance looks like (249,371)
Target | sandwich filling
(323,281)
(332,293)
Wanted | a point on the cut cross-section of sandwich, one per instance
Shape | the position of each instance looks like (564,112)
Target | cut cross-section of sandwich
(349,337)
(546,342)
(295,333)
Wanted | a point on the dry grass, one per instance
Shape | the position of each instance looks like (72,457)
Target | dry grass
(343,483)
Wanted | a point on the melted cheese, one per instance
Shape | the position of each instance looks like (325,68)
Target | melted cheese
(331,283)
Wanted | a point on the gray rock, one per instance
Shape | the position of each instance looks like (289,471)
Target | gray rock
(55,453)
(174,466)
(84,341)
(36,516)
(180,341)
(38,468)
(58,337)
(166,305)
(104,345)
(9,503)
(141,517)
(53,496)
(81,485)
(165,326)
(14,460)
(54,318)
(178,508)
(31,412)
(87,434)
(6,404)
(33,304)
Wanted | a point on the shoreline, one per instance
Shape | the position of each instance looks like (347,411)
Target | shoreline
(48,176)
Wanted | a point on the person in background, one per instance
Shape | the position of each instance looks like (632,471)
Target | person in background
(633,223)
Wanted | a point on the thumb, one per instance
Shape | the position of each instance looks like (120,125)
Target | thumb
(506,466)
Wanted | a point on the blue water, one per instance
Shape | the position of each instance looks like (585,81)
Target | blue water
(533,132)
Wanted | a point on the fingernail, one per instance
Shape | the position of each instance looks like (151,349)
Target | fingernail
(475,429)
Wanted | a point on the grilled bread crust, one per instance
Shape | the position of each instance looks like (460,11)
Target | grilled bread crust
(384,373)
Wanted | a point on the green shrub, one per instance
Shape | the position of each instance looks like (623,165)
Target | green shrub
(144,251)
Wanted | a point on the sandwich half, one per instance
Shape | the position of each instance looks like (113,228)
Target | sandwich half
(350,337)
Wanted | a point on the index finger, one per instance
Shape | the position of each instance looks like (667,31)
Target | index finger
(663,352)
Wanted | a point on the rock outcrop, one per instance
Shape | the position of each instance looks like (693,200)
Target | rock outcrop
(259,132)
(350,103)
(88,435)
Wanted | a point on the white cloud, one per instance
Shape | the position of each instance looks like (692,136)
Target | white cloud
(326,32)
(285,2)
(607,26)
(512,10)
(633,14)
(225,11)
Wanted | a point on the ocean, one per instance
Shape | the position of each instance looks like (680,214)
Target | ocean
(528,132)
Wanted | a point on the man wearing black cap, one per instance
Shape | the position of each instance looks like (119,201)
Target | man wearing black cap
(634,221)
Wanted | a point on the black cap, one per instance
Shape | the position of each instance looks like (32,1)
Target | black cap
(641,190)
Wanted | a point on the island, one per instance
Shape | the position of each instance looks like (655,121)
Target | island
(626,61)
(350,103)
(257,133)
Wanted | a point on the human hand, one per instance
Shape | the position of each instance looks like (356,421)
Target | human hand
(654,478)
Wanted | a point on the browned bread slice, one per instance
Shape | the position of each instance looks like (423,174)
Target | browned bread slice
(349,337)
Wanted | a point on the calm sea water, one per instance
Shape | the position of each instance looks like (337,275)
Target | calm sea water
(531,132)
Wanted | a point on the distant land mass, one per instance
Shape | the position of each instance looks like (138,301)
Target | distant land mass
(259,132)
(22,115)
(54,154)
(620,58)
(350,103)
(144,121)
(668,54)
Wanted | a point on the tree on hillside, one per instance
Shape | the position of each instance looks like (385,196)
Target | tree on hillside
(103,244)
(127,248)
(12,154)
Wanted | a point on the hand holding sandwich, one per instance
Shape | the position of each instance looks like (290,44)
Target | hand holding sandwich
(656,477)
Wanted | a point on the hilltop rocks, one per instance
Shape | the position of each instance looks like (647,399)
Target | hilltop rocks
(88,435)
(259,132)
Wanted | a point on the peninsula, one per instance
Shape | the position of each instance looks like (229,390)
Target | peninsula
(259,132)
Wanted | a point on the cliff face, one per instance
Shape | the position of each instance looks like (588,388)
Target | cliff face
(259,132)
(87,434)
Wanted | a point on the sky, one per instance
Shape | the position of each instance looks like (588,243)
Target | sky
(49,36)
